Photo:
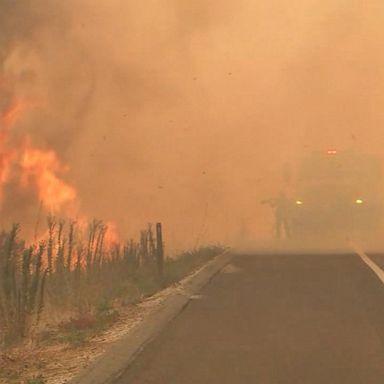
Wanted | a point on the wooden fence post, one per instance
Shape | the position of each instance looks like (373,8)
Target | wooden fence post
(159,250)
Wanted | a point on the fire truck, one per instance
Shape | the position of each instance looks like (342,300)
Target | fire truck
(337,193)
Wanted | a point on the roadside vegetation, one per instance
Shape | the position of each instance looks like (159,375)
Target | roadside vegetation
(79,279)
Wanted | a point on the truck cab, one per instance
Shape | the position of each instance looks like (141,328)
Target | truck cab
(337,192)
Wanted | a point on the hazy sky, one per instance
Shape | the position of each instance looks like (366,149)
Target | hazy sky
(185,112)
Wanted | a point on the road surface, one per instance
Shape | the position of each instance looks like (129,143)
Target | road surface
(275,319)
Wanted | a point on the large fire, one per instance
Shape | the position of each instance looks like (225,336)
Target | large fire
(35,175)
(32,167)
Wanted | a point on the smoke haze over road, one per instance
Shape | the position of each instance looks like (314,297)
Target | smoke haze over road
(187,112)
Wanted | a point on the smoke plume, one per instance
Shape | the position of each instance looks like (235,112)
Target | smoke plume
(189,113)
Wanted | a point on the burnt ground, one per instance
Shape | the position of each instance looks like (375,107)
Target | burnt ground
(275,319)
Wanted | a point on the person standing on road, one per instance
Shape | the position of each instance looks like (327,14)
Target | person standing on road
(282,206)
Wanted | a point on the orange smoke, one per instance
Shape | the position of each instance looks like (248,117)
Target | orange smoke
(11,115)
(7,155)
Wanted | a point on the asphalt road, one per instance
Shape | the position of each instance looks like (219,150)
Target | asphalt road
(283,319)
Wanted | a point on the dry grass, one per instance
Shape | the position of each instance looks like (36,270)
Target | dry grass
(66,288)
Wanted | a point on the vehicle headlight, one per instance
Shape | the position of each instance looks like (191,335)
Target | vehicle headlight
(299,202)
(359,201)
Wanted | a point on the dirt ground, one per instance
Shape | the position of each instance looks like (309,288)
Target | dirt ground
(60,362)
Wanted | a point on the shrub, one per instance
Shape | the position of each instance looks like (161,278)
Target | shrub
(82,273)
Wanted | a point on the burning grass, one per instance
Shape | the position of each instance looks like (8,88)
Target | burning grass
(76,283)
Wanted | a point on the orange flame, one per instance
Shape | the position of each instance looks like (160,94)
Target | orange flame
(112,235)
(39,168)
(42,168)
